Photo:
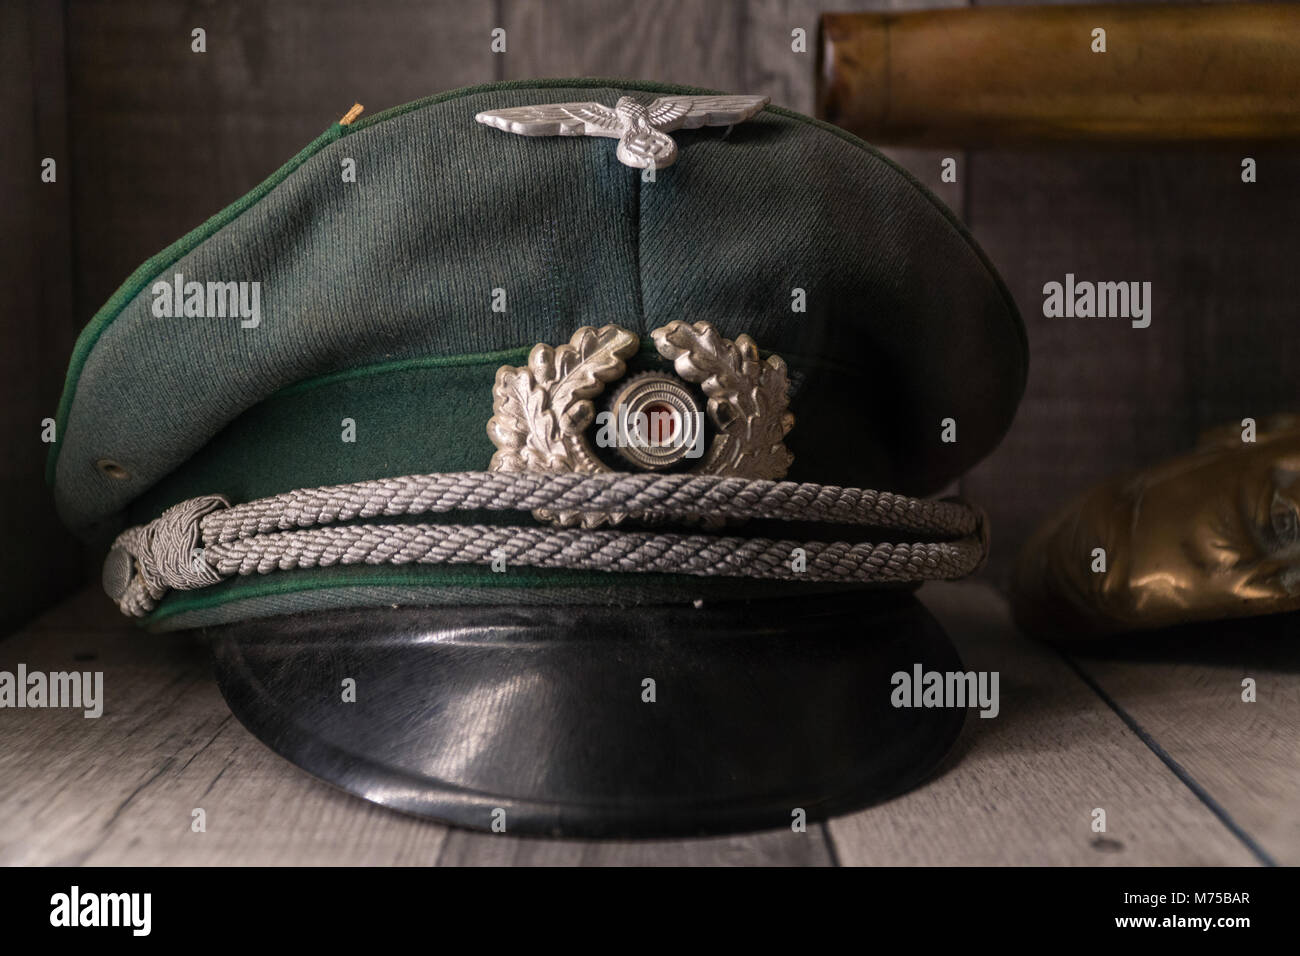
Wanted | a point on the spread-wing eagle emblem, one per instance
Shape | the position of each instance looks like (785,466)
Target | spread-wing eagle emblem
(642,131)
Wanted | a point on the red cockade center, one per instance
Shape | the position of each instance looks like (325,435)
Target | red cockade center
(663,422)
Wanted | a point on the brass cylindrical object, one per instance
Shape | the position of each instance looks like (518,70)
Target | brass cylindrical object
(1008,75)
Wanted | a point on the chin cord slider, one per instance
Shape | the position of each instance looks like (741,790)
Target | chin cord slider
(166,554)
(204,540)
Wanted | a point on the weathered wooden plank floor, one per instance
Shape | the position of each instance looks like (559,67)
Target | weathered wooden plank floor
(1185,695)
(1186,771)
(1022,787)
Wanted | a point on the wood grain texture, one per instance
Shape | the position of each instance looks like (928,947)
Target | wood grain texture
(1100,402)
(121,789)
(1184,688)
(1103,397)
(673,41)
(1020,788)
(37,327)
(775,848)
(164,138)
(1017,789)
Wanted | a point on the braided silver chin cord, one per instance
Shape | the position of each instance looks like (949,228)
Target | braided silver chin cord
(205,540)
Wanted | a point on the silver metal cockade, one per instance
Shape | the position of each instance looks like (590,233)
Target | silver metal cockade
(641,130)
(543,412)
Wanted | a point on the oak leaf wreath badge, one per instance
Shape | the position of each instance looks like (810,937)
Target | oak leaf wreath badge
(542,410)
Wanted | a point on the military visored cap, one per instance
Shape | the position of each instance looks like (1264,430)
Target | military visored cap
(557,450)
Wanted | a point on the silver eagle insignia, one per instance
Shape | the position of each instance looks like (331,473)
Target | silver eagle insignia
(642,131)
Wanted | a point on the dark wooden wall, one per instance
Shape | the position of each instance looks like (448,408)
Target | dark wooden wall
(151,139)
(39,561)
(1224,341)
